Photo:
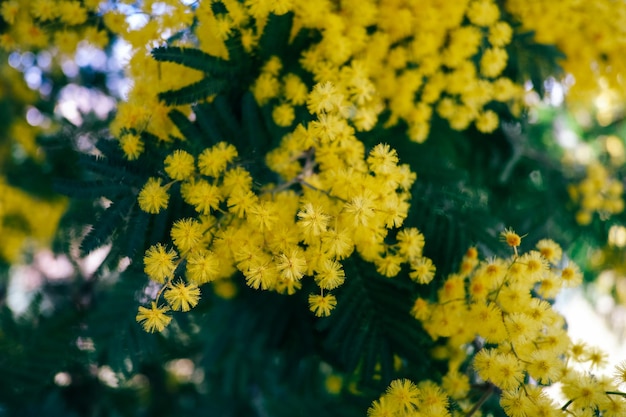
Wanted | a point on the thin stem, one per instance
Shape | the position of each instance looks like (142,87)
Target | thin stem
(481,400)
(564,408)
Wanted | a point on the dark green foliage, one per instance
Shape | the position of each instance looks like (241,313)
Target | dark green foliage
(193,58)
(193,92)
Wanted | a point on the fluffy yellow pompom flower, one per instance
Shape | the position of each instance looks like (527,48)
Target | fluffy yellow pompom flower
(154,318)
(153,197)
(550,250)
(72,13)
(404,394)
(322,305)
(202,267)
(132,145)
(487,121)
(187,234)
(213,161)
(182,296)
(483,12)
(179,165)
(511,238)
(159,263)
(291,267)
(283,115)
(312,219)
(44,10)
(493,62)
(422,270)
(330,275)
(203,196)
(382,159)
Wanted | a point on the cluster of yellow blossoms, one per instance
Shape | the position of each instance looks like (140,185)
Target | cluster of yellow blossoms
(335,199)
(598,192)
(37,24)
(496,314)
(25,219)
(592,37)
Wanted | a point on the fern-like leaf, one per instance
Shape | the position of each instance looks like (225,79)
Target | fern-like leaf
(195,92)
(102,232)
(193,58)
(89,189)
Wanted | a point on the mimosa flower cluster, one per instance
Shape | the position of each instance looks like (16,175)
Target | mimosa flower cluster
(390,55)
(39,24)
(26,220)
(503,337)
(592,39)
(598,193)
(335,200)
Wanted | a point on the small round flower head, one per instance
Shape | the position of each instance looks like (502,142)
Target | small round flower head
(187,234)
(202,266)
(179,165)
(283,114)
(182,296)
(483,12)
(330,275)
(213,161)
(571,275)
(322,305)
(154,318)
(132,146)
(550,250)
(153,197)
(312,219)
(422,270)
(511,238)
(382,159)
(620,373)
(291,266)
(404,394)
(159,263)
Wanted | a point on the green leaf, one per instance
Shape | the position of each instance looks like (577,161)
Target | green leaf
(193,92)
(193,58)
(110,220)
(89,189)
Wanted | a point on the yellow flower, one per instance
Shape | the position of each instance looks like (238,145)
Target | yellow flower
(620,373)
(330,275)
(295,90)
(511,238)
(159,263)
(571,275)
(202,266)
(72,13)
(483,12)
(403,394)
(493,62)
(44,9)
(322,305)
(132,145)
(154,318)
(202,195)
(153,197)
(312,219)
(291,267)
(187,234)
(487,121)
(283,114)
(382,159)
(422,270)
(181,296)
(179,165)
(213,161)
(410,243)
